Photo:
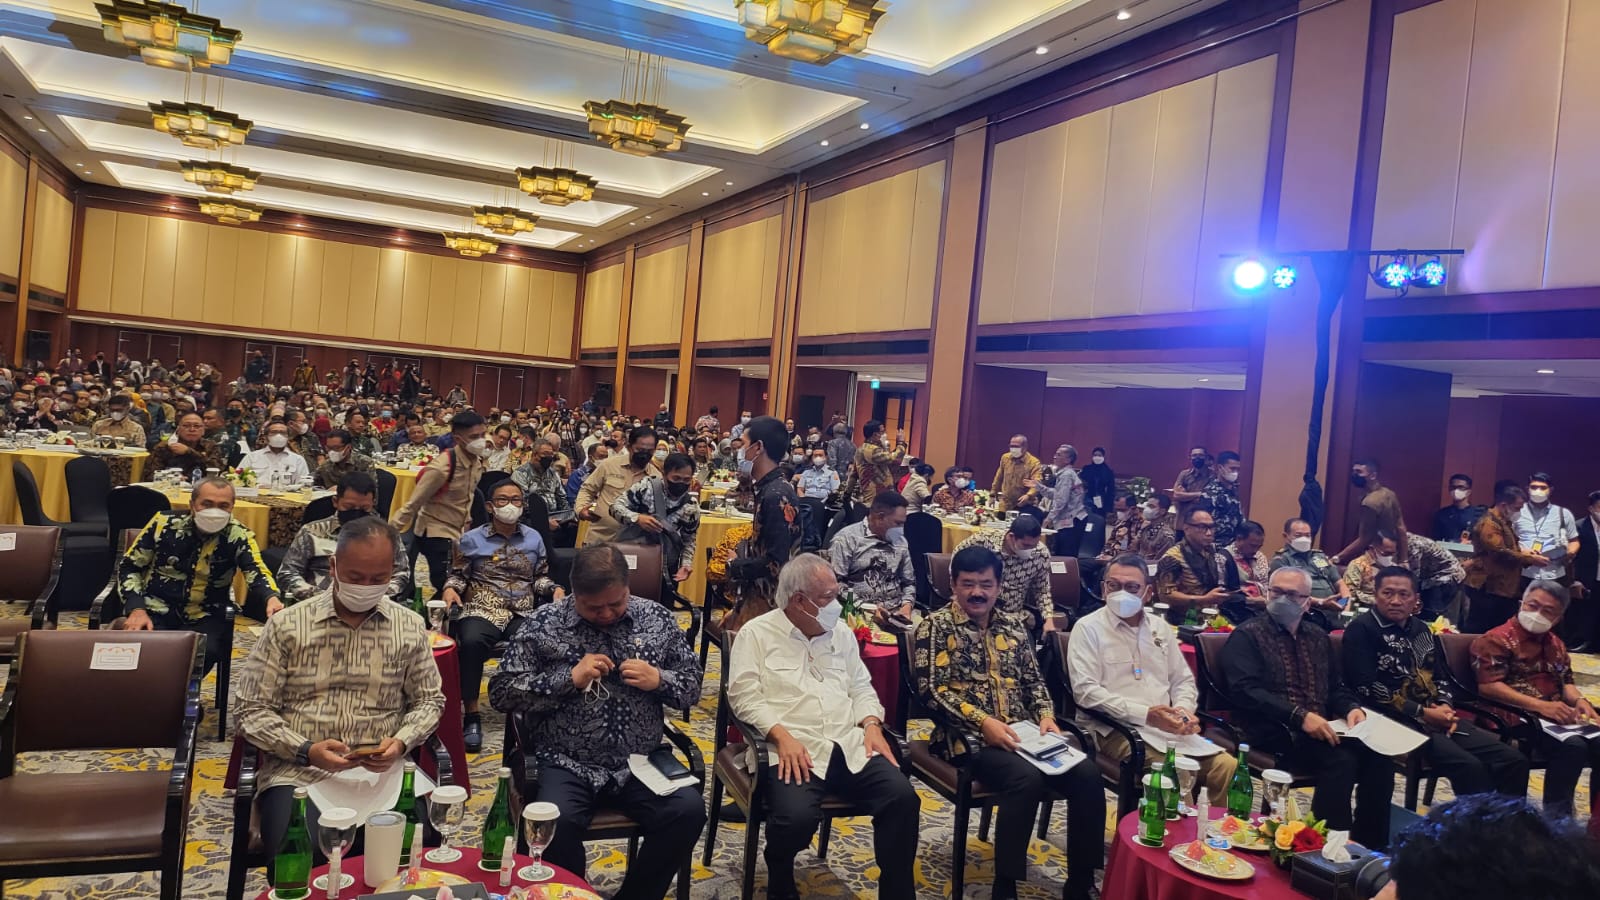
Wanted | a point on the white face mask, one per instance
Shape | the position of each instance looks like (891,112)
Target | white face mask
(1384,560)
(660,455)
(1148,514)
(1016,452)
(819,461)
(797,458)
(508,514)
(1230,476)
(1533,622)
(744,420)
(360,597)
(961,484)
(1300,545)
(1097,459)
(828,616)
(1459,495)
(335,456)
(301,428)
(1539,496)
(479,447)
(118,416)
(1124,604)
(212,521)
(277,441)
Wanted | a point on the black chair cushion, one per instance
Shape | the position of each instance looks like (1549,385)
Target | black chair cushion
(938,772)
(88,815)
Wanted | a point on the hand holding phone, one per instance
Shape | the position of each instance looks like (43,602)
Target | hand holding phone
(364,751)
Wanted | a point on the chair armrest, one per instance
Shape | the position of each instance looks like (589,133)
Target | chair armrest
(178,781)
(1131,735)
(1085,743)
(41,605)
(690,750)
(8,730)
(1220,723)
(443,766)
(1496,721)
(97,608)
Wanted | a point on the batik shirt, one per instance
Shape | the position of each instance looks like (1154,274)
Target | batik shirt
(1395,666)
(1225,510)
(591,733)
(681,517)
(1534,664)
(969,673)
(498,576)
(879,570)
(872,472)
(547,483)
(305,569)
(1025,586)
(175,567)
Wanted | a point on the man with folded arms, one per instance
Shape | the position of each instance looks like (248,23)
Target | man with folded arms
(339,672)
(1129,666)
(974,666)
(590,675)
(1280,671)
(796,676)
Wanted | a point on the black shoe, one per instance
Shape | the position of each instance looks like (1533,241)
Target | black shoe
(730,812)
(1581,648)
(472,733)
(1004,889)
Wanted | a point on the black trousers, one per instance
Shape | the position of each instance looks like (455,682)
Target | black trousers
(1477,762)
(475,639)
(1341,768)
(276,804)
(794,810)
(1487,610)
(1581,623)
(671,826)
(1021,788)
(215,628)
(1567,759)
(439,553)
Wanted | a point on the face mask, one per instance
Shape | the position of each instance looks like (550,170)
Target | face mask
(212,521)
(387,415)
(828,616)
(478,447)
(1197,461)
(1459,495)
(1384,560)
(1533,623)
(797,458)
(504,419)
(677,488)
(1124,604)
(360,598)
(640,459)
(1097,459)
(744,420)
(819,461)
(1358,480)
(962,484)
(508,514)
(118,416)
(1300,545)
(546,462)
(1148,514)
(660,455)
(335,456)
(1541,496)
(1230,476)
(278,441)
(1284,611)
(895,535)
(1016,452)
(747,467)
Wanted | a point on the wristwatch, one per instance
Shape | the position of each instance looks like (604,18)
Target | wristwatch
(302,757)
(871,720)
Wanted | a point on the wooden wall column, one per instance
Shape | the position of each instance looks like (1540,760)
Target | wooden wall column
(691,322)
(947,414)
(30,209)
(785,319)
(624,313)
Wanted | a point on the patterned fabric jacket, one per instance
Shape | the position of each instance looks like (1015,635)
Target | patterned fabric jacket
(1025,587)
(679,546)
(1395,666)
(305,569)
(174,566)
(498,576)
(968,673)
(878,569)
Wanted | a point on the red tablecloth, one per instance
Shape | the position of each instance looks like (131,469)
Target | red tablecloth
(1188,657)
(466,867)
(1149,874)
(449,729)
(883,664)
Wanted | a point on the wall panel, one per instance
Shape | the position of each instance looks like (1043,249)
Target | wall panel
(97,270)
(463,329)
(308,258)
(602,304)
(1177,197)
(250,289)
(13,188)
(537,317)
(128,266)
(1235,176)
(52,240)
(514,312)
(739,281)
(189,272)
(563,310)
(333,313)
(656,314)
(1570,259)
(221,265)
(361,314)
(391,294)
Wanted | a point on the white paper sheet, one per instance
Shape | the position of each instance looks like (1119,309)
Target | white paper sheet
(650,777)
(363,791)
(1032,740)
(1381,734)
(1569,732)
(1187,745)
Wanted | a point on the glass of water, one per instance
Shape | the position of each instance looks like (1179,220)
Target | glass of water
(1188,774)
(539,826)
(1275,789)
(436,612)
(446,806)
(336,831)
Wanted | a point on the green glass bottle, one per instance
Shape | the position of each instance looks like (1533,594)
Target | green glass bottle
(1169,768)
(1241,793)
(417,606)
(1152,824)
(406,806)
(291,868)
(498,825)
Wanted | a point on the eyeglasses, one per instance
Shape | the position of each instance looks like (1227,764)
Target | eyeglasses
(1281,594)
(1199,527)
(1132,587)
(502,502)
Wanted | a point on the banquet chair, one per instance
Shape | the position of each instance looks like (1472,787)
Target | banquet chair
(939,579)
(249,851)
(132,507)
(1413,766)
(924,535)
(1517,727)
(88,490)
(1066,588)
(386,486)
(958,783)
(1223,734)
(32,505)
(86,551)
(316,510)
(607,824)
(1121,776)
(710,624)
(32,567)
(91,823)
(749,790)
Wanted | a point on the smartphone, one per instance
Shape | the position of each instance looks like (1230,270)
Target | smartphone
(360,752)
(667,764)
(899,621)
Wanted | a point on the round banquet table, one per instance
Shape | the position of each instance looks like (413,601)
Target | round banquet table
(466,867)
(883,664)
(405,481)
(954,533)
(49,468)
(1149,874)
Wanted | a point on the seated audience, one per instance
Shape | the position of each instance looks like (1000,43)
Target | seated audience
(818,481)
(1329,593)
(1193,574)
(1280,671)
(306,569)
(540,476)
(975,668)
(918,492)
(872,558)
(662,511)
(796,676)
(338,671)
(595,453)
(1155,532)
(1025,571)
(1120,526)
(1245,551)
(342,458)
(118,424)
(275,463)
(188,448)
(589,678)
(1453,523)
(1359,574)
(956,494)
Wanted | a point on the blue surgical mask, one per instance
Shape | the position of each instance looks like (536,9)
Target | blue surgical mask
(895,535)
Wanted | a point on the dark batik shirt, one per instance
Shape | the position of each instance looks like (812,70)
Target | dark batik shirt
(1275,676)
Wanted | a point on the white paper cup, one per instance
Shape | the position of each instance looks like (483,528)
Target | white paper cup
(385,832)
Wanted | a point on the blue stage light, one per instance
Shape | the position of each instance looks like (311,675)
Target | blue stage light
(1249,275)
(1430,274)
(1395,275)
(1283,277)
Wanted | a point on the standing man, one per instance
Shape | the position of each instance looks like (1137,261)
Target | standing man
(1380,511)
(1494,573)
(872,470)
(1454,523)
(1018,468)
(975,668)
(440,508)
(709,422)
(796,677)
(841,450)
(1582,621)
(1223,495)
(663,417)
(1548,530)
(1067,510)
(610,479)
(776,529)
(744,422)
(1191,483)
(872,557)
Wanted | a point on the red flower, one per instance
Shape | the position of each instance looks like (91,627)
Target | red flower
(1307,839)
(863,634)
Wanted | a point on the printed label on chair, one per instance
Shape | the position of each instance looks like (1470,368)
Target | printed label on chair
(1058,567)
(8,541)
(107,657)
(633,561)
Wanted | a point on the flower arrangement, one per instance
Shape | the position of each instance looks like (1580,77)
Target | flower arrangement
(983,506)
(61,439)
(1285,839)
(241,477)
(1441,625)
(418,455)
(855,617)
(1140,488)
(1218,624)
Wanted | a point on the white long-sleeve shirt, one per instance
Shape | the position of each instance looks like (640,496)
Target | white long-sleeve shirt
(276,466)
(1123,670)
(818,688)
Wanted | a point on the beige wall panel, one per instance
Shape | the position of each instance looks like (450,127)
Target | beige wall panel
(469,286)
(308,265)
(849,235)
(160,263)
(558,343)
(812,265)
(1083,186)
(128,267)
(1508,146)
(656,314)
(1042,178)
(764,299)
(441,303)
(541,289)
(719,281)
(52,240)
(222,267)
(414,298)
(279,291)
(1177,196)
(893,202)
(99,255)
(514,313)
(333,315)
(602,300)
(362,310)
(189,276)
(1570,259)
(249,289)
(738,280)
(389,308)
(1126,219)
(1236,175)
(491,309)
(996,291)
(1423,120)
(13,189)
(926,232)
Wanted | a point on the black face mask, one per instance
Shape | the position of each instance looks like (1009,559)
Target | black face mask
(640,458)
(1358,480)
(346,516)
(1197,461)
(677,488)
(546,462)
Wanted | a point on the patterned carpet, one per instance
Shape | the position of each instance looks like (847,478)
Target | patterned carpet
(848,872)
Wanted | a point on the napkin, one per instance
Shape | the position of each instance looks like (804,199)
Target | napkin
(1335,850)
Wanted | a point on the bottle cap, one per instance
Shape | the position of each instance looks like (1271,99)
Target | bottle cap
(1244,748)
(505,772)
(411,765)
(300,793)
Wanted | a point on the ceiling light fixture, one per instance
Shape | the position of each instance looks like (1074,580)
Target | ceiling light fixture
(27,118)
(865,126)
(1041,50)
(167,35)
(637,124)
(200,126)
(728,183)
(813,31)
(473,245)
(1544,371)
(219,177)
(556,183)
(1123,15)
(230,212)
(824,143)
(504,220)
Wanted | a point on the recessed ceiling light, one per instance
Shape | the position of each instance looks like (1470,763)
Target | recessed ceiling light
(1205,379)
(41,131)
(865,126)
(728,183)
(27,118)
(705,193)
(633,223)
(824,143)
(1123,15)
(1545,372)
(1041,49)
(79,165)
(647,217)
(87,172)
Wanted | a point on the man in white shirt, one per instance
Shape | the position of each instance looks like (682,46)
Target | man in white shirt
(276,463)
(1542,527)
(1128,665)
(796,676)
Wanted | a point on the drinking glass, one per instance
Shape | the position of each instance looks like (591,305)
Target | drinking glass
(336,831)
(446,805)
(436,611)
(1188,774)
(539,826)
(1275,789)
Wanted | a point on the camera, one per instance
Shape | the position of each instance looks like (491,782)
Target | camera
(1372,877)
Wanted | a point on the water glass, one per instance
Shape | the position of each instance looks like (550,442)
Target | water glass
(1188,774)
(336,831)
(436,612)
(539,827)
(1275,789)
(446,806)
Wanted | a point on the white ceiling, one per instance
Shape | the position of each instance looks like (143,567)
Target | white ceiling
(425,108)
(1220,376)
(1494,377)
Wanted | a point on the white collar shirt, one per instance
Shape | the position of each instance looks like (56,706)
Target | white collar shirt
(1123,670)
(276,466)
